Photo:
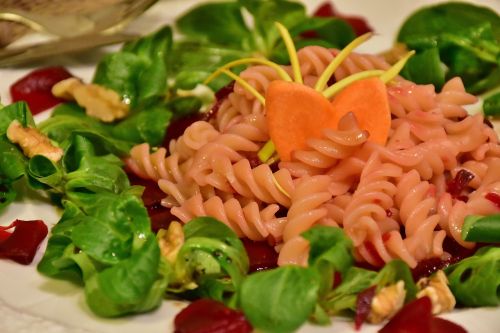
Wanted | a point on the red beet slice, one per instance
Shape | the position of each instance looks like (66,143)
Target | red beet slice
(209,316)
(416,317)
(21,245)
(36,88)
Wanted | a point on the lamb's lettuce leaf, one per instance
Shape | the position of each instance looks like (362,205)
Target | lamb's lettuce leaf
(342,299)
(474,281)
(146,125)
(491,105)
(212,261)
(330,253)
(216,33)
(467,38)
(12,161)
(280,300)
(69,120)
(16,111)
(133,285)
(138,72)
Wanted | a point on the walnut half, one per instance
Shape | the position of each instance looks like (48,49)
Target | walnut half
(436,288)
(387,302)
(99,102)
(33,142)
(171,241)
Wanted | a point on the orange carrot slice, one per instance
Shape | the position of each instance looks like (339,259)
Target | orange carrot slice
(367,99)
(296,113)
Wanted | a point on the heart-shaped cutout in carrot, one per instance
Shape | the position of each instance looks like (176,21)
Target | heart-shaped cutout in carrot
(296,113)
(368,100)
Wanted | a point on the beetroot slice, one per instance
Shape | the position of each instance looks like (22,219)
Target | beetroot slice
(416,317)
(209,316)
(21,245)
(36,88)
(440,325)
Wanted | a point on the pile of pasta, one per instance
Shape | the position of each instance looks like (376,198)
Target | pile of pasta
(391,199)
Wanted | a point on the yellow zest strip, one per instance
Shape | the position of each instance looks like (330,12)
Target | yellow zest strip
(292,52)
(392,72)
(337,87)
(266,152)
(278,186)
(245,85)
(332,67)
(281,72)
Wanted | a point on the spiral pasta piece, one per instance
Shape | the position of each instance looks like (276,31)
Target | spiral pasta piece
(416,205)
(368,209)
(324,153)
(359,62)
(306,210)
(155,165)
(246,220)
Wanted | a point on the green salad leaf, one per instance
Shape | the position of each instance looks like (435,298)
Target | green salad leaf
(146,125)
(330,252)
(485,229)
(229,36)
(342,299)
(133,285)
(69,120)
(16,111)
(474,281)
(463,37)
(212,261)
(138,72)
(491,104)
(280,300)
(103,239)
(7,194)
(12,161)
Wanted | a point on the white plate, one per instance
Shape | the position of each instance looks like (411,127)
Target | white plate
(32,303)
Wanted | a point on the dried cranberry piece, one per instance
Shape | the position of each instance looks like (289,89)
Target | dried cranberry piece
(493,197)
(428,266)
(363,306)
(456,185)
(261,255)
(21,245)
(36,88)
(337,279)
(209,316)
(456,253)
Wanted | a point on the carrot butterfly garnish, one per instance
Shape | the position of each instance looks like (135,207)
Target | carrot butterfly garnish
(295,112)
